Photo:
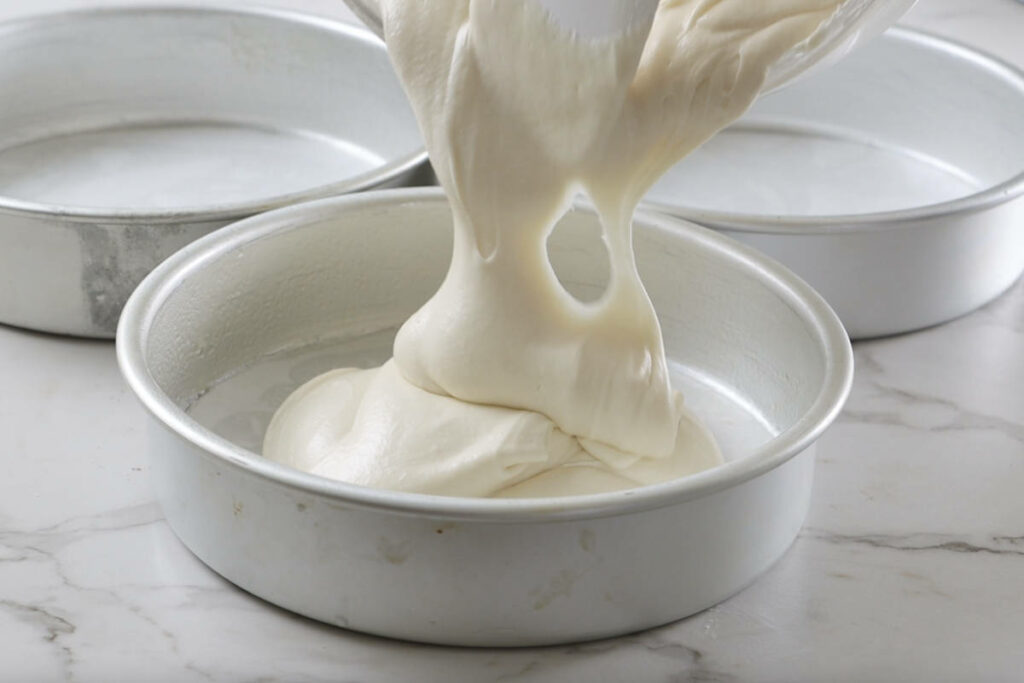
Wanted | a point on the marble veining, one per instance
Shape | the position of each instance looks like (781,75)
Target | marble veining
(910,567)
(919,542)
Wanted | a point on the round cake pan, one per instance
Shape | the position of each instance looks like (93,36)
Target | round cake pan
(893,182)
(126,133)
(218,336)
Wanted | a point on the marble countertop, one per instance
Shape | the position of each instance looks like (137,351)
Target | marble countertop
(910,567)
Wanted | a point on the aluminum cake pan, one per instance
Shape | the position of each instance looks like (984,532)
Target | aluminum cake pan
(219,335)
(892,182)
(127,132)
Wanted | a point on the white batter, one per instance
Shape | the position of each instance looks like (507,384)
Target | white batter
(503,384)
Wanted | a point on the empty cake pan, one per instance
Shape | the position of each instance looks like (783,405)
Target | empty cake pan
(893,182)
(221,333)
(126,133)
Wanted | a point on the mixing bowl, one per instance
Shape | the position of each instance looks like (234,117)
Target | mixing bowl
(217,336)
(854,22)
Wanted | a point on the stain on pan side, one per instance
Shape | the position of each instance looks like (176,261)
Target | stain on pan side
(394,552)
(116,257)
(560,585)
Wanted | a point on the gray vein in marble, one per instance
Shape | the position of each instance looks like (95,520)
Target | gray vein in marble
(921,542)
(55,627)
(963,419)
(46,542)
(870,374)
(677,661)
(656,643)
(117,519)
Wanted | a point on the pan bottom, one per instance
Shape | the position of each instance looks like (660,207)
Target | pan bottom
(172,165)
(768,168)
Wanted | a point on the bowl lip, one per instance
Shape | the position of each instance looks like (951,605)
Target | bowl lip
(392,169)
(987,198)
(147,300)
